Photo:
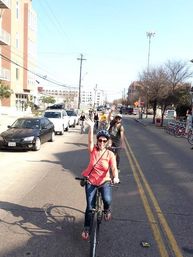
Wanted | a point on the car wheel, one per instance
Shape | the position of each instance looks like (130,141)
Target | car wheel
(67,128)
(52,137)
(74,125)
(37,144)
(62,132)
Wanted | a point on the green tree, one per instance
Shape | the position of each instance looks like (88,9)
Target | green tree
(5,91)
(48,99)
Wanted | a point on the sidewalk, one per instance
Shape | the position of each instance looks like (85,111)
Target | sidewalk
(149,121)
(8,119)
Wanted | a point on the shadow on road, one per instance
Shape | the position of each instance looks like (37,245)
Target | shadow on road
(50,230)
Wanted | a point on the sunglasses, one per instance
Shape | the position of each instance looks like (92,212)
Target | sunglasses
(102,140)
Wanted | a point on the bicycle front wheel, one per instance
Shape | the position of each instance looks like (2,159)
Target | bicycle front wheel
(94,233)
(190,139)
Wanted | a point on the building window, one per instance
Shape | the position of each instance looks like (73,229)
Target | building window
(17,73)
(17,10)
(17,41)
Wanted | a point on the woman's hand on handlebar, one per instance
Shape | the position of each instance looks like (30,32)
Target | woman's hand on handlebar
(116,180)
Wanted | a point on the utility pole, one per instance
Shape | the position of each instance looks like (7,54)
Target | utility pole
(80,79)
(124,96)
(95,91)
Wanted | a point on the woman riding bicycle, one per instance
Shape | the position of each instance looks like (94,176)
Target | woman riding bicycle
(98,173)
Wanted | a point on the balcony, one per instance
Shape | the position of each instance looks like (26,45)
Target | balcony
(5,38)
(5,4)
(5,74)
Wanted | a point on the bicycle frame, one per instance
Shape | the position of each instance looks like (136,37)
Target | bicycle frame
(96,219)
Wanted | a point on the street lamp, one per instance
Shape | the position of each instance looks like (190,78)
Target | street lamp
(149,35)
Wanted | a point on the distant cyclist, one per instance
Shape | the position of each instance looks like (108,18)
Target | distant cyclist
(96,120)
(116,131)
(82,122)
(98,173)
(103,121)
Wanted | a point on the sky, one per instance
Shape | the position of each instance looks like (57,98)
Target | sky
(111,35)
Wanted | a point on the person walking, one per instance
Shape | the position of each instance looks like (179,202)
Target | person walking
(116,131)
(96,119)
(82,120)
(100,173)
(188,121)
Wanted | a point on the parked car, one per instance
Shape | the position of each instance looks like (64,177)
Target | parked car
(27,133)
(59,118)
(74,120)
(170,114)
(126,110)
(56,106)
(100,108)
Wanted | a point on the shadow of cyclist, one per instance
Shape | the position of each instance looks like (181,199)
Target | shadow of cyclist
(49,229)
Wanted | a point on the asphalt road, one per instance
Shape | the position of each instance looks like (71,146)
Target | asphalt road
(42,205)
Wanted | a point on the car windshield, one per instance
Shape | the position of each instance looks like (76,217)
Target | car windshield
(54,115)
(26,123)
(70,113)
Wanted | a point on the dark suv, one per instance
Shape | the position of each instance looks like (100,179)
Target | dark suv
(126,110)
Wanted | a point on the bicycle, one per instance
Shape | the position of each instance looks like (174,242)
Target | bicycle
(82,126)
(190,136)
(103,125)
(96,219)
(180,130)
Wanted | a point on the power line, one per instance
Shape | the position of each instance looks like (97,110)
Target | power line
(34,73)
(53,17)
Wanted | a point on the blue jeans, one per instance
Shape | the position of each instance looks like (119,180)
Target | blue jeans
(90,190)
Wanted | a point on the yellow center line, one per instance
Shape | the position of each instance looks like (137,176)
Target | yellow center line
(155,228)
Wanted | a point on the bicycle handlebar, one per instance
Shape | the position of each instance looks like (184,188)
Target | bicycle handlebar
(114,147)
(84,179)
(77,178)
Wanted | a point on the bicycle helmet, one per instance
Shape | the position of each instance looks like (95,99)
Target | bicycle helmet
(103,133)
(118,116)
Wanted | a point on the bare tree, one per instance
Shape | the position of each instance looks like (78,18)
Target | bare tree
(153,87)
(165,86)
(178,72)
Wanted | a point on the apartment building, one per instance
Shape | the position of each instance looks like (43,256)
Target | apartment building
(92,97)
(18,31)
(67,95)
